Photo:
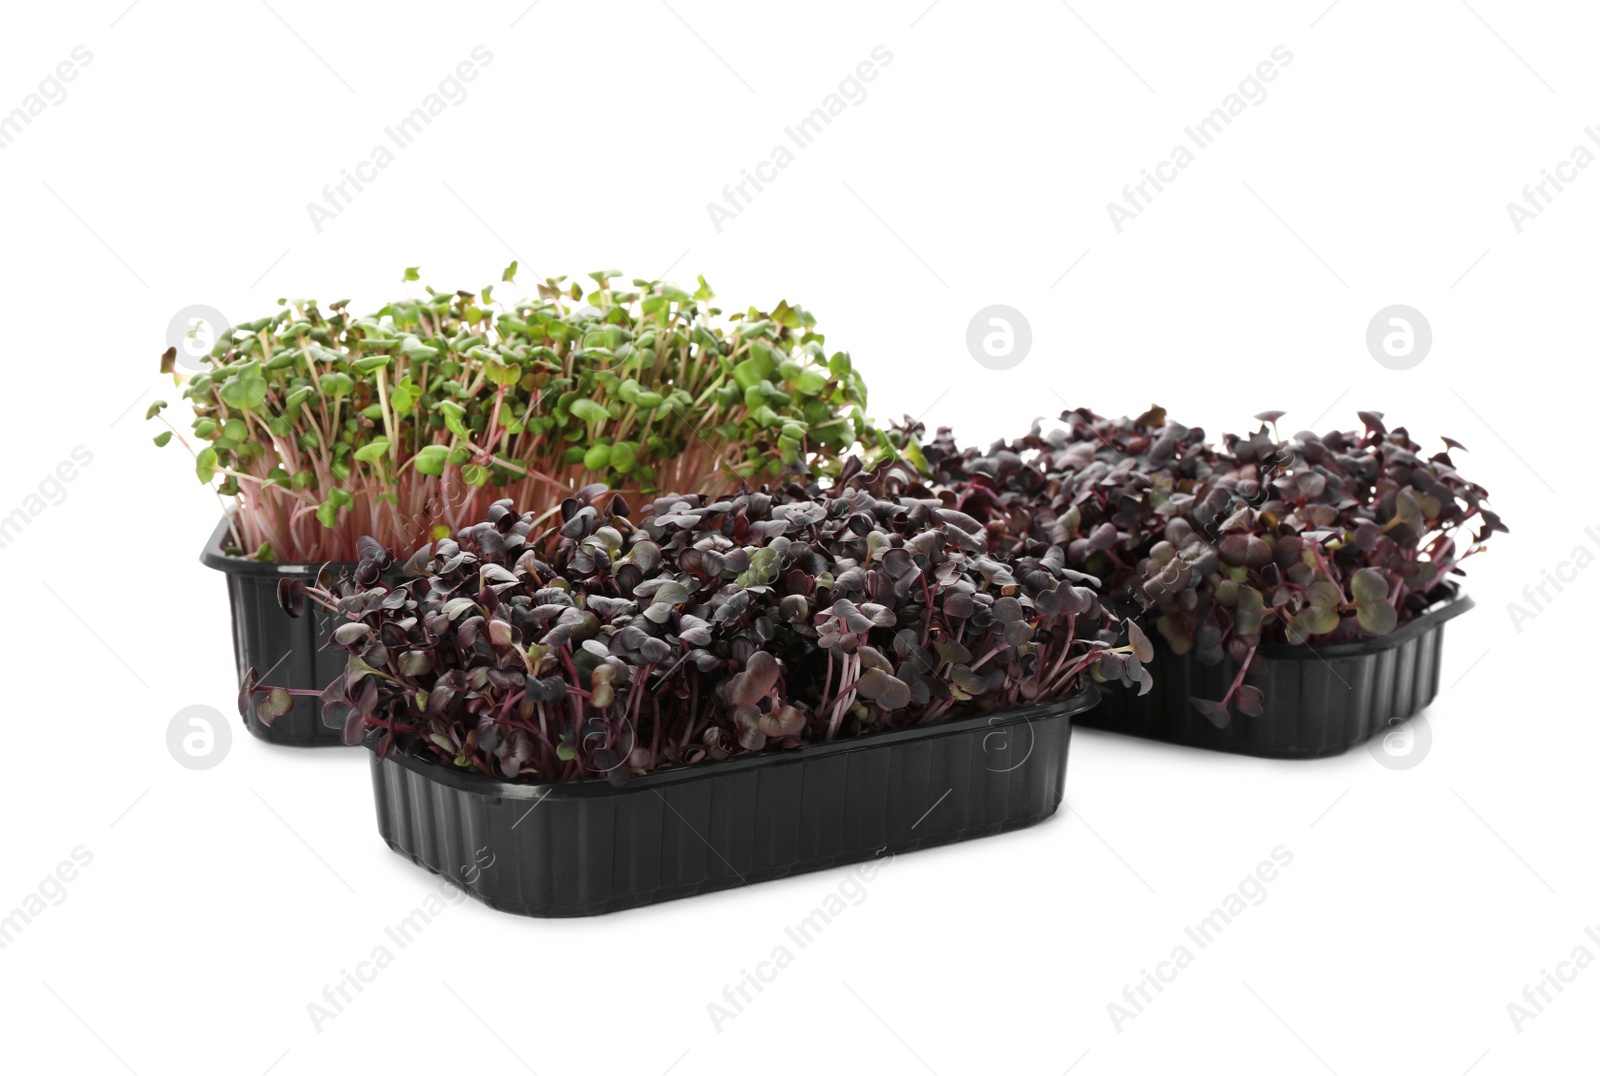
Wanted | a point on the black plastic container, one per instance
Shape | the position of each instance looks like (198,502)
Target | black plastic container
(1317,700)
(285,651)
(586,847)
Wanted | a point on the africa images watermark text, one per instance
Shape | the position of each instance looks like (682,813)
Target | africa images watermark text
(1252,90)
(52,91)
(452,90)
(1137,997)
(852,90)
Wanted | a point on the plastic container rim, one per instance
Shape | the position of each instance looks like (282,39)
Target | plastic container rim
(1447,607)
(212,556)
(589,787)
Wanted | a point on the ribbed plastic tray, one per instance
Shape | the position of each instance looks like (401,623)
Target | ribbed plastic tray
(285,651)
(1316,700)
(586,847)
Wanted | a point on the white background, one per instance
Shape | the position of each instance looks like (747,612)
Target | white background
(218,904)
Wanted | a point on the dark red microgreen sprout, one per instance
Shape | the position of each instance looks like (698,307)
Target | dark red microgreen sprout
(706,629)
(1318,539)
